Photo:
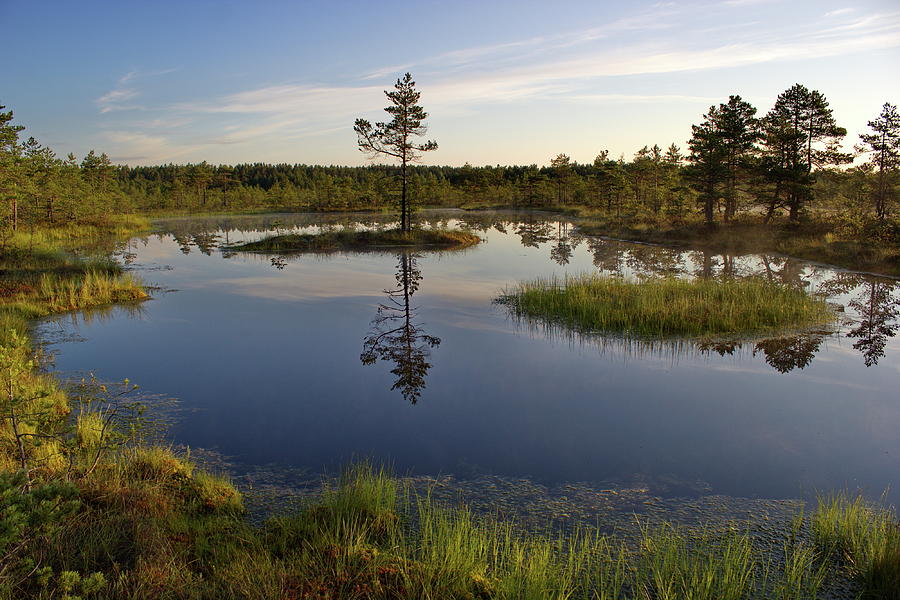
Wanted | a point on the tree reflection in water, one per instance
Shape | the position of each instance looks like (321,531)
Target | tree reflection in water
(873,314)
(396,337)
(785,354)
(878,311)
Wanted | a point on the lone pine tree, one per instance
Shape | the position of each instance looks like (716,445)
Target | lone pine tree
(395,138)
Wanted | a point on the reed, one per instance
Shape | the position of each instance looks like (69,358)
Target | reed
(667,307)
(865,538)
(90,289)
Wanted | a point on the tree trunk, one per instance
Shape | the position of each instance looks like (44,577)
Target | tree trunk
(404,208)
(795,206)
(708,204)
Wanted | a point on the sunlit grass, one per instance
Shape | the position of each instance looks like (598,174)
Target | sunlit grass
(155,526)
(59,269)
(93,288)
(865,538)
(667,307)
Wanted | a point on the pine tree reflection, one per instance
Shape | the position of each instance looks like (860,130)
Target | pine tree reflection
(396,337)
(785,354)
(878,311)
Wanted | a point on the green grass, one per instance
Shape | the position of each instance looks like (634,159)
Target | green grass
(667,307)
(154,526)
(359,240)
(865,539)
(59,269)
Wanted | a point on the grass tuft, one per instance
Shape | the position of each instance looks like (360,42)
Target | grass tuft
(667,307)
(865,538)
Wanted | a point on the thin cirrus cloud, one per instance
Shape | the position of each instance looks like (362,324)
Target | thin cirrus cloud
(117,99)
(556,77)
(566,67)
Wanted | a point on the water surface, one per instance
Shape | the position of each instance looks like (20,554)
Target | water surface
(309,361)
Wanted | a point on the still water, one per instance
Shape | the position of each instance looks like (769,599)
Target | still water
(308,361)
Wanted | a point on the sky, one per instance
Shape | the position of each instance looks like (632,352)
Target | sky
(503,82)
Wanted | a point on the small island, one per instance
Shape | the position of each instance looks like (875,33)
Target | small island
(667,307)
(334,241)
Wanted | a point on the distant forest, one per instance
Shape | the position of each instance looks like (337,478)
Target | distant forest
(777,167)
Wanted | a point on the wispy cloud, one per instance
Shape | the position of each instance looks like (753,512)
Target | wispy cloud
(839,12)
(747,2)
(118,98)
(137,147)
(586,65)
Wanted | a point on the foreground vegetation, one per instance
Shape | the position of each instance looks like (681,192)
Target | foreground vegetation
(146,524)
(668,307)
(331,241)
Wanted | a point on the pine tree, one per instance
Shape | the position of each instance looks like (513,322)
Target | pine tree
(884,144)
(708,158)
(738,129)
(394,138)
(10,164)
(799,135)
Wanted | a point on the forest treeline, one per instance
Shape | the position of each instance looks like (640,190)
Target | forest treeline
(787,164)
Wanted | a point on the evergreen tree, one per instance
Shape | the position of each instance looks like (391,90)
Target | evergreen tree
(799,135)
(11,174)
(561,166)
(738,129)
(394,138)
(708,158)
(884,144)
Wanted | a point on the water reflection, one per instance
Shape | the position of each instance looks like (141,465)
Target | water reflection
(872,304)
(878,311)
(784,354)
(396,337)
(497,402)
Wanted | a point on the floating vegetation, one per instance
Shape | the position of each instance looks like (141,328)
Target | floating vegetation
(656,308)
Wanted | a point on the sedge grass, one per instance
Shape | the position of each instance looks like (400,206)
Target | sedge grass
(154,526)
(667,307)
(90,289)
(865,538)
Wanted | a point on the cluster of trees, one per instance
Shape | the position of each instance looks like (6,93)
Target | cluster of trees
(736,163)
(772,162)
(37,186)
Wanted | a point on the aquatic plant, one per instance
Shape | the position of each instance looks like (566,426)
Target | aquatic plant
(865,538)
(666,307)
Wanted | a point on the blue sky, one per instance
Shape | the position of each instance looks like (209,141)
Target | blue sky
(504,82)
